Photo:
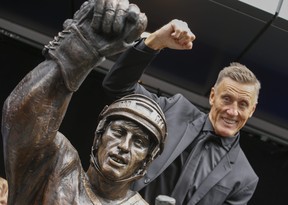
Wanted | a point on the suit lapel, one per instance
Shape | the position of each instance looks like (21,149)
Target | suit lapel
(177,145)
(191,133)
(220,171)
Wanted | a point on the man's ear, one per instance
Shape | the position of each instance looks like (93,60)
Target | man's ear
(252,110)
(212,96)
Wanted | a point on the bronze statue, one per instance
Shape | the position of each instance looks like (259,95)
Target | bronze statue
(42,167)
(3,191)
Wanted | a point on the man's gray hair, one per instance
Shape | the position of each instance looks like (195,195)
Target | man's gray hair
(241,74)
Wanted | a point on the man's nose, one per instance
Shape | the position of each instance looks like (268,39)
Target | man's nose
(233,109)
(125,142)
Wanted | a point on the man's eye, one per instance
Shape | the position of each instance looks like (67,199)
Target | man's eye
(226,99)
(243,105)
(141,143)
(138,142)
(117,132)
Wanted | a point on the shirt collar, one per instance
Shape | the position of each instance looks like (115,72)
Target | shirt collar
(226,142)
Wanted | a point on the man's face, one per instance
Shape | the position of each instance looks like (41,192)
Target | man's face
(122,149)
(232,103)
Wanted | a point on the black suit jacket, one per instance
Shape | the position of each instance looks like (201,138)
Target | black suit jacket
(232,181)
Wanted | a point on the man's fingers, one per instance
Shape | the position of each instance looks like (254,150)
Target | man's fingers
(96,22)
(81,14)
(120,16)
(180,29)
(109,15)
(138,28)
(119,19)
(136,23)
(133,13)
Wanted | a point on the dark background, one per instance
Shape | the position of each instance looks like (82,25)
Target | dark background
(226,31)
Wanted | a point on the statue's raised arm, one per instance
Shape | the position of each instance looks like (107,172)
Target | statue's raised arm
(33,112)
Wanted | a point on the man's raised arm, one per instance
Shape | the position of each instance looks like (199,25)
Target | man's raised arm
(123,77)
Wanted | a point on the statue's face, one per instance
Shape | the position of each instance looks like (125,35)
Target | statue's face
(123,149)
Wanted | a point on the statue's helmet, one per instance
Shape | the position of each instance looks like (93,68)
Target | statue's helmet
(142,110)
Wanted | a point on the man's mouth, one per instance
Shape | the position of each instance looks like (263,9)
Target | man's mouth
(118,159)
(229,121)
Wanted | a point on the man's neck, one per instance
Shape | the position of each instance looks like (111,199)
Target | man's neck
(108,191)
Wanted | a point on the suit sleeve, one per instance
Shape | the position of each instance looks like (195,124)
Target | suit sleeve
(123,77)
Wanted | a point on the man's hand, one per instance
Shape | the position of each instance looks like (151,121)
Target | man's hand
(100,28)
(109,25)
(175,35)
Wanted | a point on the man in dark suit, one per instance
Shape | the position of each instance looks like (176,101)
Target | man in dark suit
(202,162)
